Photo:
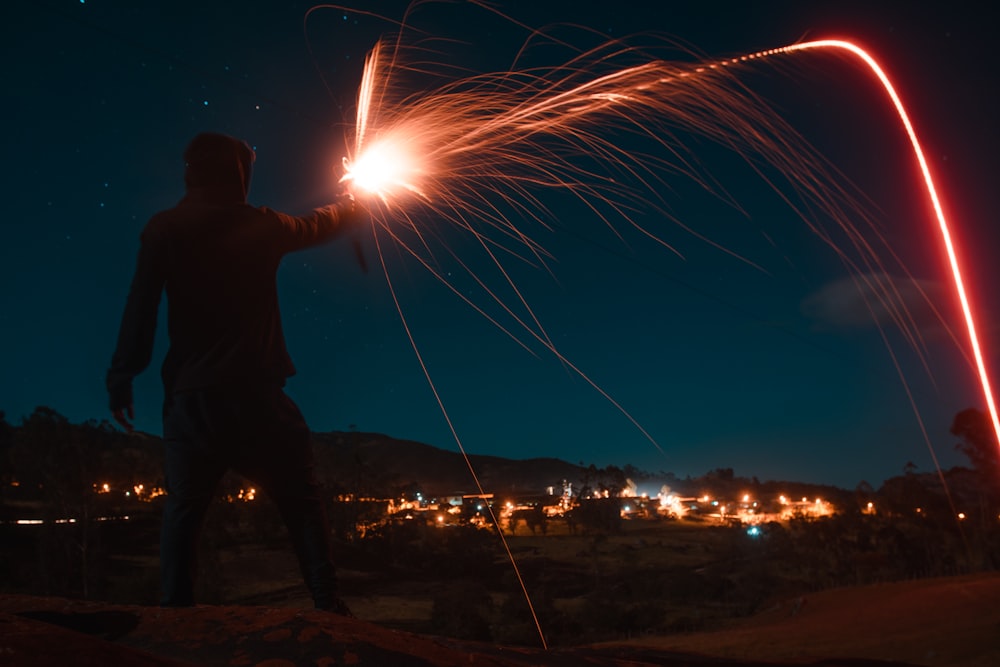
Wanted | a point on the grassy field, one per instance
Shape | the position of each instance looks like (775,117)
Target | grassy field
(651,577)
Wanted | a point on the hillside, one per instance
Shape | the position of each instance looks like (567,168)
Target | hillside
(360,459)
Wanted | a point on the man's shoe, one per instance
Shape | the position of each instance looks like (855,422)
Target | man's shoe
(337,606)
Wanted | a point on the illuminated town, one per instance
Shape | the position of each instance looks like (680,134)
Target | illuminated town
(535,514)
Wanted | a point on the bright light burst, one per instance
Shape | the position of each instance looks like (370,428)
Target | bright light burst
(384,169)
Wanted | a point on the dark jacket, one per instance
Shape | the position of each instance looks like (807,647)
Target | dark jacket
(217,259)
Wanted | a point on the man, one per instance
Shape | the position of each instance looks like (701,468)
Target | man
(217,258)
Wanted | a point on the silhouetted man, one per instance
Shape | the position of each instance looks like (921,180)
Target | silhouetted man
(217,258)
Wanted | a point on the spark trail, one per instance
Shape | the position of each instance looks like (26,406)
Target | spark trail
(479,153)
(477,150)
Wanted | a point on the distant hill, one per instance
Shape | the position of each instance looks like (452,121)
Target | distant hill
(372,460)
(381,465)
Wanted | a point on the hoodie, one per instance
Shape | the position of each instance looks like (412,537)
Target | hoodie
(216,258)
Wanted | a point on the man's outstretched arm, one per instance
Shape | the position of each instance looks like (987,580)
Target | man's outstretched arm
(321,225)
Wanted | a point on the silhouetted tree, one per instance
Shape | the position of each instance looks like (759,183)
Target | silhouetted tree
(613,480)
(635,474)
(55,461)
(588,479)
(980,446)
(978,443)
(907,496)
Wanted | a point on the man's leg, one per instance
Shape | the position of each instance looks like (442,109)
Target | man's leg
(192,473)
(305,516)
(285,469)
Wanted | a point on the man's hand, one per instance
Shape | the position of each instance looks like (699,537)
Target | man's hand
(125,416)
(351,211)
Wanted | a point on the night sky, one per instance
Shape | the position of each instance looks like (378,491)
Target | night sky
(771,372)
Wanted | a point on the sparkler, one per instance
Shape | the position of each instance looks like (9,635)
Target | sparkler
(478,152)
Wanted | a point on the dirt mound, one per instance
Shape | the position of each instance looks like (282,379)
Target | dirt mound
(952,622)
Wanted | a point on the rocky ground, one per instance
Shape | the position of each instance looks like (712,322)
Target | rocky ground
(940,622)
(954,622)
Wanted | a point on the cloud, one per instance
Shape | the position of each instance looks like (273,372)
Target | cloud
(877,299)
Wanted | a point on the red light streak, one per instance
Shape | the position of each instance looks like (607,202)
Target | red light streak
(945,229)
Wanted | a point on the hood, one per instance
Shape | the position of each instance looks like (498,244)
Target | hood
(217,168)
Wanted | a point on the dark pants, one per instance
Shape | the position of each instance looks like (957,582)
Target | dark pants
(257,431)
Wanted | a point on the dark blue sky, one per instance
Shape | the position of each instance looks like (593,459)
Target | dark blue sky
(723,365)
